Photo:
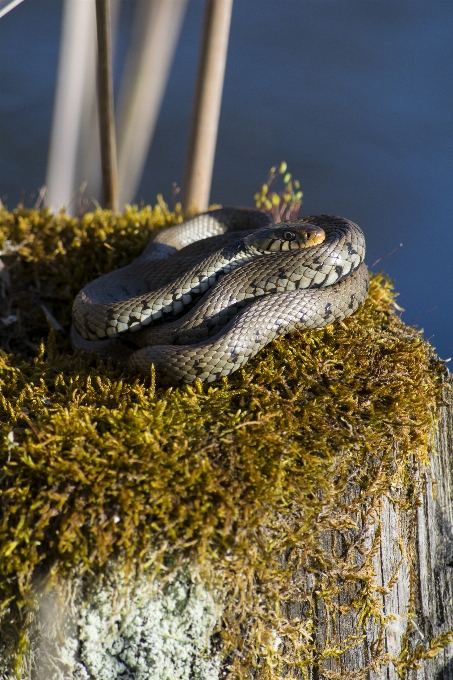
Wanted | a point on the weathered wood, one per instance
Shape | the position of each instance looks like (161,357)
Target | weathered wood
(413,570)
(435,547)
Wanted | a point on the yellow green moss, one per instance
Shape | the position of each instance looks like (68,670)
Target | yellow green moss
(245,474)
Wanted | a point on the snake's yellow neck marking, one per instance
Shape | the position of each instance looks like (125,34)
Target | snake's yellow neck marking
(285,237)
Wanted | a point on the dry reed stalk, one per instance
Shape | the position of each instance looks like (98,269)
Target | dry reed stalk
(75,65)
(206,111)
(7,8)
(157,24)
(105,105)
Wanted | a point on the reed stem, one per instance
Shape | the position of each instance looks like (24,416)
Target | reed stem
(206,110)
(11,5)
(106,113)
(157,25)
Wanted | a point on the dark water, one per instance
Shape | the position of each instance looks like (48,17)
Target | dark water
(356,95)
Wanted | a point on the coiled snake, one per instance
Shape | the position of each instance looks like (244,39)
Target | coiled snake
(206,295)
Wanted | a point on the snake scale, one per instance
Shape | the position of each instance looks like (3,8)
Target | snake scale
(206,295)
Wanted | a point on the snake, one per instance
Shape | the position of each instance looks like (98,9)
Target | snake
(207,295)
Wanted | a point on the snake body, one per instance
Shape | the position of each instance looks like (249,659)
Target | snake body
(206,295)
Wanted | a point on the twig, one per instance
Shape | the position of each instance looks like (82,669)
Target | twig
(39,200)
(206,111)
(105,100)
(56,325)
(419,316)
(384,256)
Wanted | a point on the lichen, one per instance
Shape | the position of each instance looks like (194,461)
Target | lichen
(242,477)
(131,629)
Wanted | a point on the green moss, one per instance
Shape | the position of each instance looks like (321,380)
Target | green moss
(244,476)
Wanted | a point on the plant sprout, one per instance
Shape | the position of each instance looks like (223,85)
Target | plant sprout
(285,204)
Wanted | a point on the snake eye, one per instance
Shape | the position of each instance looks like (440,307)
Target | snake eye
(289,235)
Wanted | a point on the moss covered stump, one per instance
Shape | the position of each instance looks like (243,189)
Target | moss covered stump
(290,521)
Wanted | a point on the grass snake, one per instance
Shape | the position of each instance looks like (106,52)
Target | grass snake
(206,295)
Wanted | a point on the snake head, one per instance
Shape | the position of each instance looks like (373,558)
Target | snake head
(286,236)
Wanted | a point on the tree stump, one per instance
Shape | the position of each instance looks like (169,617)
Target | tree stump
(292,521)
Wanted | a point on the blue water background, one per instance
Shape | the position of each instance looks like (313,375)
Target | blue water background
(356,95)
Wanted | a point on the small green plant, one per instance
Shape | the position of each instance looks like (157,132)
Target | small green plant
(284,204)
